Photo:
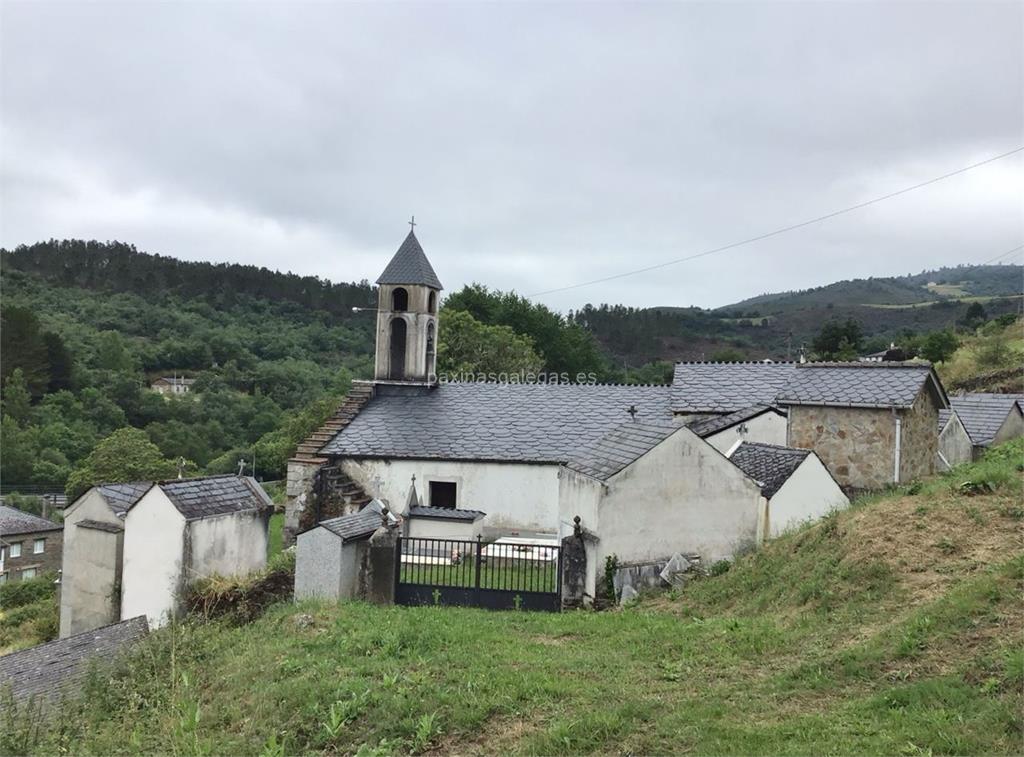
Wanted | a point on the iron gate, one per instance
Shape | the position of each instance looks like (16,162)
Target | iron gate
(498,576)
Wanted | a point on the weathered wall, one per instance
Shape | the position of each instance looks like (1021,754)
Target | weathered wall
(955,444)
(1012,427)
(767,428)
(154,558)
(298,486)
(682,496)
(90,587)
(47,560)
(416,318)
(324,567)
(808,494)
(228,545)
(856,444)
(920,443)
(516,497)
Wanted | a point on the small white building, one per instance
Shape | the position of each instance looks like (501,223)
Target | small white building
(760,423)
(181,531)
(795,484)
(90,592)
(172,385)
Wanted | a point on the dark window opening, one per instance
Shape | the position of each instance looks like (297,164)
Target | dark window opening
(430,350)
(397,371)
(400,300)
(442,494)
(432,302)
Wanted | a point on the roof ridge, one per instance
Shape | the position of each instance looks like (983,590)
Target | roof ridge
(781,447)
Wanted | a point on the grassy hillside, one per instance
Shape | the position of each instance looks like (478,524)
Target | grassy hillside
(891,628)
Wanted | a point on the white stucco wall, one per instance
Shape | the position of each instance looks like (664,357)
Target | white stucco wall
(437,528)
(227,545)
(324,567)
(516,497)
(767,428)
(154,549)
(955,445)
(808,494)
(89,590)
(682,496)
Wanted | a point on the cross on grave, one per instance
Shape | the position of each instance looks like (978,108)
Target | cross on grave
(181,467)
(632,412)
(375,483)
(241,467)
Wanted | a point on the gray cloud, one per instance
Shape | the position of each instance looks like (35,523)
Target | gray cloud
(539,145)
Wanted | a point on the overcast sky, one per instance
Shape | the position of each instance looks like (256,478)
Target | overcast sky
(538,144)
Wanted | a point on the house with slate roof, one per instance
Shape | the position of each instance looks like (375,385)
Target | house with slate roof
(90,594)
(795,484)
(46,674)
(988,419)
(183,530)
(29,545)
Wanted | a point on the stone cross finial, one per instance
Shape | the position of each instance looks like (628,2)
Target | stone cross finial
(577,528)
(412,223)
(241,467)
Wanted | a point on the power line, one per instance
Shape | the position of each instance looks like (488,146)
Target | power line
(783,230)
(1003,255)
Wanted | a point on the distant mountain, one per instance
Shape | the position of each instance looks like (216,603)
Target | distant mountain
(924,287)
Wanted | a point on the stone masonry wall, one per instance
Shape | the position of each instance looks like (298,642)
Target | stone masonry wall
(919,442)
(856,444)
(49,560)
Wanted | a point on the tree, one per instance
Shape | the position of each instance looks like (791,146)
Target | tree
(126,455)
(111,354)
(974,316)
(727,355)
(60,360)
(23,347)
(17,404)
(467,346)
(939,346)
(16,455)
(838,340)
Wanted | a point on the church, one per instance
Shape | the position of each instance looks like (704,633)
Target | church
(523,460)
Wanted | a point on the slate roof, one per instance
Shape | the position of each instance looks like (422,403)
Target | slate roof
(120,497)
(983,414)
(768,464)
(541,423)
(619,448)
(879,385)
(356,526)
(726,387)
(445,513)
(410,266)
(211,496)
(58,668)
(14,522)
(710,426)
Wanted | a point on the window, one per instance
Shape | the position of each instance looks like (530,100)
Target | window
(399,300)
(16,549)
(443,494)
(432,303)
(39,546)
(28,573)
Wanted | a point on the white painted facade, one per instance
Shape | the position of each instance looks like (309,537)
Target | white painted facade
(517,497)
(808,494)
(163,553)
(681,496)
(767,428)
(439,528)
(90,594)
(955,445)
(154,558)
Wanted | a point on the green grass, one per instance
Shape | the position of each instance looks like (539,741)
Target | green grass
(892,628)
(28,612)
(275,535)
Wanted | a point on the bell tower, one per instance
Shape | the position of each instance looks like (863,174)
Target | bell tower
(407,299)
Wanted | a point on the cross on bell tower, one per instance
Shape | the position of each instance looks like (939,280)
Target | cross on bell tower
(407,299)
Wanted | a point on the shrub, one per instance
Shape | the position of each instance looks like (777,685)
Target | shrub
(18,593)
(242,599)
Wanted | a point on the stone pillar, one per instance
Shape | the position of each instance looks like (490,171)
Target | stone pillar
(574,567)
(380,564)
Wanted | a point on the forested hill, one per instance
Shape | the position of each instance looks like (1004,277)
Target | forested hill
(119,267)
(927,286)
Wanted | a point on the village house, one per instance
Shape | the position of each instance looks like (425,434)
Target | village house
(871,424)
(120,562)
(29,545)
(181,531)
(172,385)
(955,445)
(760,423)
(987,419)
